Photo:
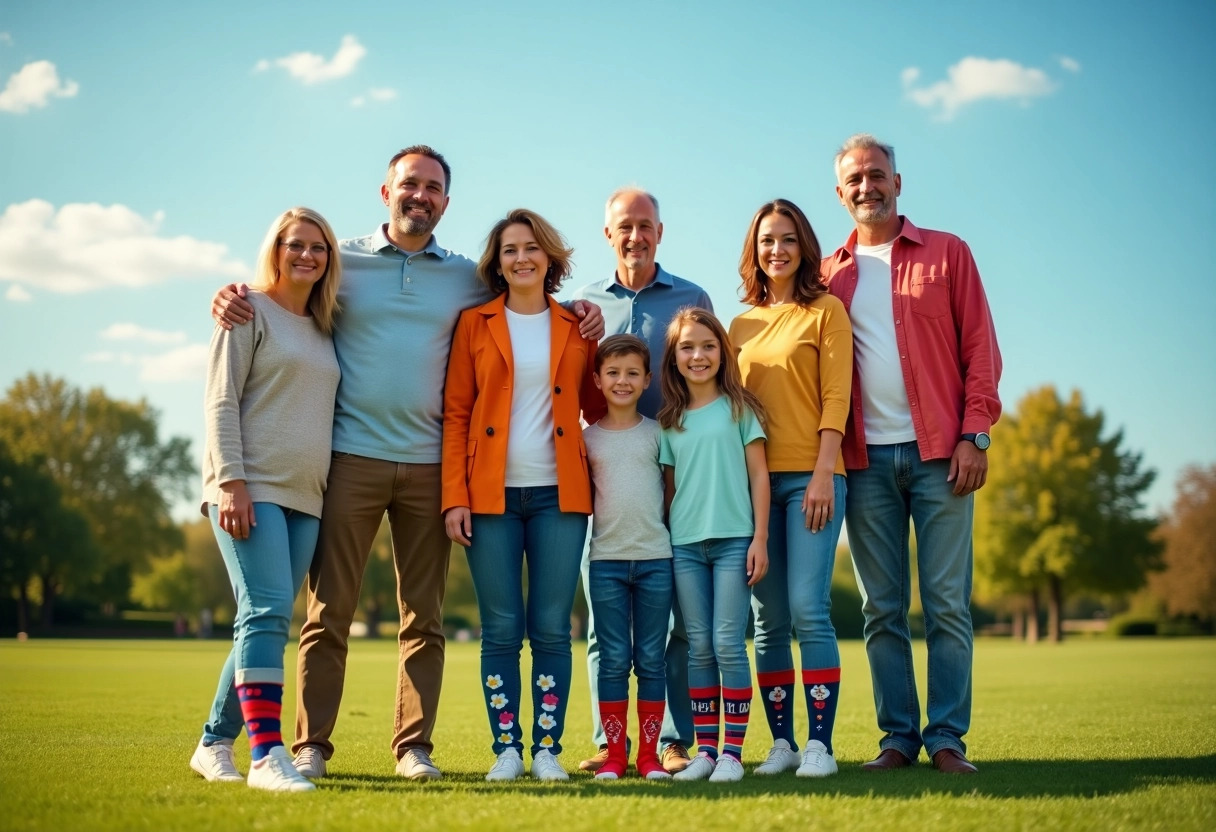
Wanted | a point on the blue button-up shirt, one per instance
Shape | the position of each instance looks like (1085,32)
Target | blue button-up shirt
(646,314)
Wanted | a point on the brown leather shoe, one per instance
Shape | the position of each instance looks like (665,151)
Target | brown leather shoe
(887,760)
(950,761)
(674,758)
(596,762)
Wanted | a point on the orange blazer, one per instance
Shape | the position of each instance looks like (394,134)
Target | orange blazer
(477,409)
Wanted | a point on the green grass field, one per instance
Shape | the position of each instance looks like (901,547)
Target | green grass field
(1091,734)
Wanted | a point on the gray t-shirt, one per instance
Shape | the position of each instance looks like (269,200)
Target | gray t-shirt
(628,520)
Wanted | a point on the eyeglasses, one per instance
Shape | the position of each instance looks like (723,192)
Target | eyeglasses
(296,247)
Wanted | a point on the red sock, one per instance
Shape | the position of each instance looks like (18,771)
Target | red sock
(614,717)
(650,724)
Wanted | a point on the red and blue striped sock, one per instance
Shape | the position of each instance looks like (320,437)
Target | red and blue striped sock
(822,693)
(775,690)
(706,703)
(262,708)
(736,707)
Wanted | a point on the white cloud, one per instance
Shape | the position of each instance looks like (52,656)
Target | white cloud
(312,68)
(17,294)
(975,79)
(188,363)
(33,85)
(135,332)
(374,94)
(86,246)
(1071,64)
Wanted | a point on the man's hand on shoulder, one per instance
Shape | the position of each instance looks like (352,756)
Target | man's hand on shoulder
(968,468)
(591,320)
(229,307)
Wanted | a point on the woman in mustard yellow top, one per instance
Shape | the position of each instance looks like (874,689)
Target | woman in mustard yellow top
(795,351)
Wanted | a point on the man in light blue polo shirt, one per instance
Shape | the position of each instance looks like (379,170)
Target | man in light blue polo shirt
(641,299)
(400,297)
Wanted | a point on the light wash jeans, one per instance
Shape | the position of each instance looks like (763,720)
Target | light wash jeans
(534,528)
(632,601)
(898,486)
(266,570)
(711,582)
(797,591)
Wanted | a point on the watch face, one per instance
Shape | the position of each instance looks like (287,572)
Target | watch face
(982,441)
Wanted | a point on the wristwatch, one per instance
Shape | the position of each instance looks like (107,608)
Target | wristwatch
(980,440)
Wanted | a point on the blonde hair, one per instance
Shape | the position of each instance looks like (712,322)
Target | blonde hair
(323,300)
(676,397)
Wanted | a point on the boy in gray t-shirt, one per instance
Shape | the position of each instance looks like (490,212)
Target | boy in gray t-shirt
(630,575)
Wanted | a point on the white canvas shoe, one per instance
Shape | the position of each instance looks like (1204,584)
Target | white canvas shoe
(310,762)
(699,768)
(508,766)
(216,763)
(275,773)
(816,761)
(728,770)
(780,758)
(546,767)
(415,764)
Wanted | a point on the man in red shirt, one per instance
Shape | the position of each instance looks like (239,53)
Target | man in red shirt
(926,367)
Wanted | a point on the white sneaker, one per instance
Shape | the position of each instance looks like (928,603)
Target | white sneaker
(275,773)
(728,770)
(780,758)
(816,761)
(416,764)
(508,766)
(546,767)
(216,763)
(310,762)
(699,768)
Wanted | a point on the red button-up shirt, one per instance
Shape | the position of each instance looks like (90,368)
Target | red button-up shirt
(947,343)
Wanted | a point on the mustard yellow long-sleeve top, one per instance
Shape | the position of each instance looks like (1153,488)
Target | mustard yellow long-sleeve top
(799,361)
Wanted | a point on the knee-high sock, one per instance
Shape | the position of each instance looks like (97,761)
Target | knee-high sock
(614,716)
(775,690)
(736,707)
(822,693)
(650,725)
(706,707)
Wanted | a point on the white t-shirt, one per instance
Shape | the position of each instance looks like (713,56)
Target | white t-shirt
(531,455)
(884,397)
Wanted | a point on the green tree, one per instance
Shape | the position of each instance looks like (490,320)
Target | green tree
(41,540)
(189,580)
(1187,584)
(107,459)
(1062,508)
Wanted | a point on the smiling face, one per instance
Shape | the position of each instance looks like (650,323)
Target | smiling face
(521,260)
(303,254)
(698,354)
(777,247)
(634,231)
(622,378)
(867,187)
(414,194)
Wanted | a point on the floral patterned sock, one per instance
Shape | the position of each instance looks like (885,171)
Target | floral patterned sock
(775,691)
(822,692)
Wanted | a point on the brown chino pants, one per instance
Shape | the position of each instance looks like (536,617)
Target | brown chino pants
(360,491)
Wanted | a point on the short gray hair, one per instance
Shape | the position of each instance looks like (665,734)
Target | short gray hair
(630,189)
(864,141)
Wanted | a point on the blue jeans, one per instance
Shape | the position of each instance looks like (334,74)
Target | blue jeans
(797,591)
(266,570)
(632,602)
(711,583)
(898,486)
(677,716)
(534,528)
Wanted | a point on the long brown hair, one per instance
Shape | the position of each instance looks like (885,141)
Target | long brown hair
(808,283)
(551,243)
(676,397)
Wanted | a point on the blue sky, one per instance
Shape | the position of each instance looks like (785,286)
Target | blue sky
(146,148)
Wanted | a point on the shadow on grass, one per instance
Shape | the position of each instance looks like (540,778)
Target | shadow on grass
(1003,778)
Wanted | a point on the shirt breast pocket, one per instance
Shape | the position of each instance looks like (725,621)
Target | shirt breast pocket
(931,296)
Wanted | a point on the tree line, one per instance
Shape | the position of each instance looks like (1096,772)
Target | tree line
(87,484)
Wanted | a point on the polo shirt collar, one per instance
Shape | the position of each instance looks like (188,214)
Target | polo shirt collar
(380,242)
(660,277)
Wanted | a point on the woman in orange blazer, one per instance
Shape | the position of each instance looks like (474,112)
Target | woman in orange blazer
(515,479)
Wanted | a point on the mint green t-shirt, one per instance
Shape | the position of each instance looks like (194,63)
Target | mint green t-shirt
(713,498)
